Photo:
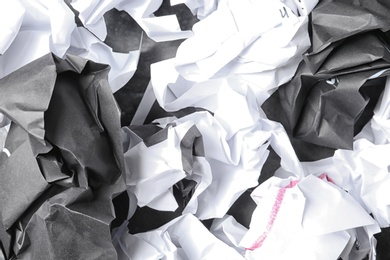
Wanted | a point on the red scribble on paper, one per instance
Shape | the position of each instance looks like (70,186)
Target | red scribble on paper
(274,213)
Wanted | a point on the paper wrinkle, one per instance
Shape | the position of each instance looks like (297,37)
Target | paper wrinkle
(160,163)
(364,173)
(165,28)
(40,27)
(222,51)
(185,237)
(45,231)
(361,16)
(377,130)
(228,230)
(122,65)
(40,32)
(314,213)
(174,93)
(200,8)
(5,124)
(11,19)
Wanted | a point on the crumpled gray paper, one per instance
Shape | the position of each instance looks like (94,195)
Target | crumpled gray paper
(329,107)
(332,21)
(62,160)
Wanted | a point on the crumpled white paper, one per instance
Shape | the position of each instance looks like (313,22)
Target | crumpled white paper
(32,29)
(261,41)
(228,230)
(231,164)
(165,28)
(122,65)
(236,137)
(364,173)
(151,171)
(43,26)
(293,219)
(11,19)
(182,238)
(296,217)
(174,93)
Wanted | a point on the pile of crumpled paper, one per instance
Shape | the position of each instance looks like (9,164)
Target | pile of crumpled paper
(266,136)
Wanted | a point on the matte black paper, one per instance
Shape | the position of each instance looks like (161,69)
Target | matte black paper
(65,160)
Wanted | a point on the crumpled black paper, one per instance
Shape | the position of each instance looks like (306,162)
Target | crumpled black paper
(333,92)
(333,21)
(57,203)
(331,105)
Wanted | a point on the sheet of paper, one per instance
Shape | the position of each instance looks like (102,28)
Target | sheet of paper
(302,212)
(363,172)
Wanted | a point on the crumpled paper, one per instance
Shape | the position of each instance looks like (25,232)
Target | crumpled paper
(228,230)
(41,27)
(296,217)
(5,124)
(122,65)
(165,156)
(200,8)
(235,139)
(293,219)
(377,130)
(154,154)
(11,20)
(333,21)
(240,46)
(184,237)
(65,128)
(253,80)
(69,225)
(328,108)
(202,152)
(347,46)
(262,57)
(165,28)
(363,173)
(228,60)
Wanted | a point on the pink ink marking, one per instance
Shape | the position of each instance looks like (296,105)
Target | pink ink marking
(325,176)
(274,212)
